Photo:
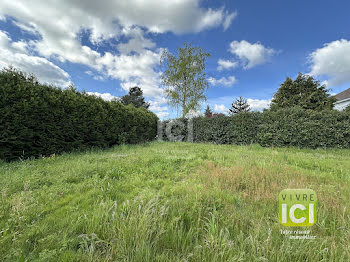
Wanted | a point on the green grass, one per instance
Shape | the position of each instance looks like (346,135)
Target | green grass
(171,202)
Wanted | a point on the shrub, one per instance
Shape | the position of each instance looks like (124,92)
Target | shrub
(40,120)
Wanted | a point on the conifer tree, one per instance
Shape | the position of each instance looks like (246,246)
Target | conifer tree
(208,112)
(240,105)
(304,92)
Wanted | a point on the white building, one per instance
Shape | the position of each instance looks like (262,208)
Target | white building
(343,100)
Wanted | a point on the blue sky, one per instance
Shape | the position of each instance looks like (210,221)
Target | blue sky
(106,47)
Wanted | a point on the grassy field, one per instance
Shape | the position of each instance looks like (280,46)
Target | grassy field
(172,202)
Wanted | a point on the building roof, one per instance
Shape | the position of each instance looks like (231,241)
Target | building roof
(343,95)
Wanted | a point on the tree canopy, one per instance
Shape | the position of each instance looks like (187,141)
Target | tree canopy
(185,78)
(305,92)
(135,97)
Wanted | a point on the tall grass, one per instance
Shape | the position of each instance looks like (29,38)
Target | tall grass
(171,202)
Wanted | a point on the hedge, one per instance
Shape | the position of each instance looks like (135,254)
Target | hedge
(40,120)
(286,127)
(240,129)
(305,128)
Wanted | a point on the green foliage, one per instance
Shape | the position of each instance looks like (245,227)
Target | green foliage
(347,109)
(213,129)
(185,77)
(39,120)
(240,105)
(304,92)
(135,97)
(238,129)
(220,129)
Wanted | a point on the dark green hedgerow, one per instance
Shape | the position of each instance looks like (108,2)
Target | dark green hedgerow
(284,127)
(305,128)
(40,120)
(240,129)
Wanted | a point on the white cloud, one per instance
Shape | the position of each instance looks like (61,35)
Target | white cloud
(137,43)
(226,64)
(258,104)
(29,27)
(228,20)
(220,108)
(209,18)
(104,96)
(223,81)
(251,55)
(15,54)
(332,60)
(137,70)
(95,76)
(162,115)
(157,106)
(157,16)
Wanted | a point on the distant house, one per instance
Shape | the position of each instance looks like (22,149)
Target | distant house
(343,100)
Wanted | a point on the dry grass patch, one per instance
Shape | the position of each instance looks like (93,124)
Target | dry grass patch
(254,182)
(261,183)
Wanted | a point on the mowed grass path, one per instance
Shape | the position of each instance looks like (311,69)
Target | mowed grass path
(171,202)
